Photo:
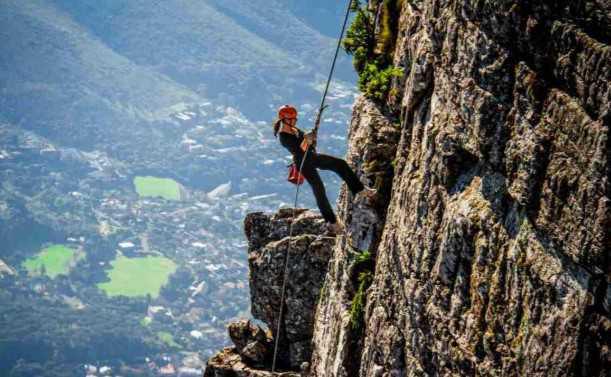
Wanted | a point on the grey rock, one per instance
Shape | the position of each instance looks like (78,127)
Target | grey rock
(492,249)
(373,140)
(309,253)
(228,363)
(270,241)
(251,342)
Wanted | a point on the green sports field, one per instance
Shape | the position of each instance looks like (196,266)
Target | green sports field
(168,339)
(134,277)
(54,260)
(157,187)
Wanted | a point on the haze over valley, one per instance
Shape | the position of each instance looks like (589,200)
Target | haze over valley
(134,138)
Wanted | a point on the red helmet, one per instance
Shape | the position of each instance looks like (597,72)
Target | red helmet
(287,112)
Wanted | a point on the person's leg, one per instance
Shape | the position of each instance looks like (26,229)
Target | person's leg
(341,168)
(318,188)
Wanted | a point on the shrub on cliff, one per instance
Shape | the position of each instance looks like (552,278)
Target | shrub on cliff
(362,269)
(360,39)
(375,82)
(370,40)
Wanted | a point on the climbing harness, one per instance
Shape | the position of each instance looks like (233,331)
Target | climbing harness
(305,155)
(295,176)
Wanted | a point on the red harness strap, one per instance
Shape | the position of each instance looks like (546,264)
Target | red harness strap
(295,177)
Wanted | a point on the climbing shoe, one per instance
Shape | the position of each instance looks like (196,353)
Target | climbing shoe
(367,194)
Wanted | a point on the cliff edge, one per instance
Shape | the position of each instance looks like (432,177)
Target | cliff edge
(487,251)
(309,254)
(492,255)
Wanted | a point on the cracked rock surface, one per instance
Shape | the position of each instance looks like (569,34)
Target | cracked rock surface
(491,246)
(309,253)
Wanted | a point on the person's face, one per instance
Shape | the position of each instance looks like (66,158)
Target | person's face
(290,121)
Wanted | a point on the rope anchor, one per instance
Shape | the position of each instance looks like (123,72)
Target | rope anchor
(321,108)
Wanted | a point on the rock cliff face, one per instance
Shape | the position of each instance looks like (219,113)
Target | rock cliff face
(487,249)
(309,254)
(491,253)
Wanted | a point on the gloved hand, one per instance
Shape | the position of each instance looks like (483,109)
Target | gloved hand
(310,138)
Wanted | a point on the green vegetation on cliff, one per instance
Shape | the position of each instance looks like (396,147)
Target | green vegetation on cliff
(374,82)
(363,271)
(370,39)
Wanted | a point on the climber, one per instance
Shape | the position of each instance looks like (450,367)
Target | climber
(292,138)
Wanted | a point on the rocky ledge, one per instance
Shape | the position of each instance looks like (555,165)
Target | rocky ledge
(309,253)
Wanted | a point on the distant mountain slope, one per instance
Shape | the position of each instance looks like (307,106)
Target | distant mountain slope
(57,77)
(181,33)
(302,35)
(272,20)
(117,62)
(322,15)
(243,53)
(106,75)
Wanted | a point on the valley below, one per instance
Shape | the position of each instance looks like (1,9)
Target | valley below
(125,175)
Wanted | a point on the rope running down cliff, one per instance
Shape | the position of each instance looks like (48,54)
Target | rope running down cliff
(316,126)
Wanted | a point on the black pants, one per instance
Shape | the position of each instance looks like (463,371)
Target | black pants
(325,162)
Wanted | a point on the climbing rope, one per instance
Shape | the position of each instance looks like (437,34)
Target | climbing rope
(305,155)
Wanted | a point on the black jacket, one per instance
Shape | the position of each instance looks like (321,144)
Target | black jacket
(293,144)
